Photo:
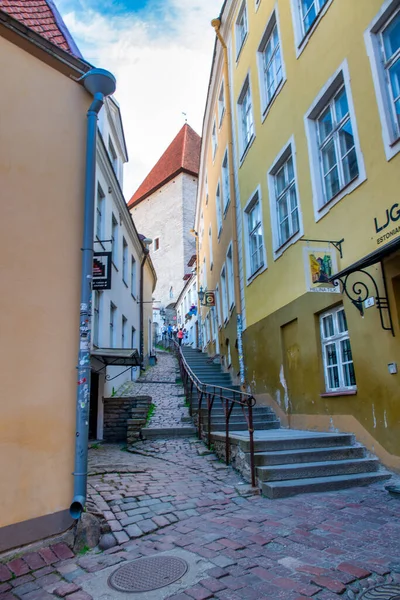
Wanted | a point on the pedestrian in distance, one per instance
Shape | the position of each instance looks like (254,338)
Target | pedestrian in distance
(170,331)
(180,336)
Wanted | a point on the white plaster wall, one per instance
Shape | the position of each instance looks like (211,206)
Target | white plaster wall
(188,298)
(168,214)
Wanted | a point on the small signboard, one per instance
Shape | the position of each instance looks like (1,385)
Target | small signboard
(320,264)
(209,298)
(102,271)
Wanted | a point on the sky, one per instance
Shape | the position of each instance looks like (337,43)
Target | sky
(160,52)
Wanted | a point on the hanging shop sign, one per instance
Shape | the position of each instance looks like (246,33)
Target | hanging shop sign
(209,298)
(320,264)
(102,271)
(387,225)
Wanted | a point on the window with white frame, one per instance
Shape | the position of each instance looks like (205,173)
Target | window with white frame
(206,186)
(96,317)
(336,351)
(218,306)
(255,237)
(241,28)
(114,240)
(221,103)
(310,10)
(218,209)
(337,152)
(229,357)
(133,277)
(270,62)
(210,247)
(226,188)
(113,156)
(208,329)
(245,114)
(100,213)
(230,277)
(285,194)
(204,275)
(214,142)
(113,325)
(336,161)
(125,261)
(224,296)
(124,332)
(383,44)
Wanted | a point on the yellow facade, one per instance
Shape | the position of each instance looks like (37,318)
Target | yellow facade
(286,359)
(42,162)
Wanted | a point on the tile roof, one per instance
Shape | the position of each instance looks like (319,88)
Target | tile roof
(182,155)
(42,17)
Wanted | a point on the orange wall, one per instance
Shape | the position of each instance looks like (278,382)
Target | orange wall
(42,154)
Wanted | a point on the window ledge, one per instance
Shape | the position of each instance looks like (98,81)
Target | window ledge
(339,393)
(268,107)
(254,275)
(289,242)
(115,266)
(246,150)
(241,48)
(347,189)
(125,283)
(134,297)
(226,208)
(100,242)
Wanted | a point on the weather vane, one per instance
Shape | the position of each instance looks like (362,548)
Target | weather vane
(185,115)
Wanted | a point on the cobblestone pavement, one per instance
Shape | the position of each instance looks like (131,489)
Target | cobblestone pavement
(168,397)
(169,495)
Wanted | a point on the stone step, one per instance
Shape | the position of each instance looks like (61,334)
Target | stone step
(220,428)
(304,455)
(168,432)
(220,420)
(292,442)
(283,489)
(218,411)
(317,469)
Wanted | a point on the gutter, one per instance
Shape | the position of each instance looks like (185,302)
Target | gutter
(216,23)
(141,347)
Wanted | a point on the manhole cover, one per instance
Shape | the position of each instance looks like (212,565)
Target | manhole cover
(387,591)
(147,574)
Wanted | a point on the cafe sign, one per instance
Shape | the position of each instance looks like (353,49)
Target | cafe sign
(387,226)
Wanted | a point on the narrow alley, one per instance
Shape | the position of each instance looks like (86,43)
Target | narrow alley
(172,498)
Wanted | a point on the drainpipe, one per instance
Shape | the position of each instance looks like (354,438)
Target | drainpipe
(146,253)
(216,23)
(99,83)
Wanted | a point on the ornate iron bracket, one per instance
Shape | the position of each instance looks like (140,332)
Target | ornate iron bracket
(359,291)
(108,377)
(336,244)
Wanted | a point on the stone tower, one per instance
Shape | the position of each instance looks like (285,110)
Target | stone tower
(163,209)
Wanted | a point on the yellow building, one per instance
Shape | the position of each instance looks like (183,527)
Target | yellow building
(315,97)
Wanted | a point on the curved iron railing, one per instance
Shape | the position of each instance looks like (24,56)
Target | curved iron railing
(228,398)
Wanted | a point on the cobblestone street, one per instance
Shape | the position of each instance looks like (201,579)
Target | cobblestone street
(172,497)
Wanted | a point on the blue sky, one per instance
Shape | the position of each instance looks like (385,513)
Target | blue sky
(160,52)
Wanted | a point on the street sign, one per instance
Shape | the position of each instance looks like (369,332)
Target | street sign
(209,298)
(102,271)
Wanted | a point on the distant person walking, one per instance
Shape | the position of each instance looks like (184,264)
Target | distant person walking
(170,331)
(180,336)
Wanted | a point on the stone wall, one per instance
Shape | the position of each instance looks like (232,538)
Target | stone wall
(119,414)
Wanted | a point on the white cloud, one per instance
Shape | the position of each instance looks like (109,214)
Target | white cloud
(162,69)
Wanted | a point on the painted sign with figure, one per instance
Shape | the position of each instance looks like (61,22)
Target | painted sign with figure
(209,298)
(320,264)
(102,271)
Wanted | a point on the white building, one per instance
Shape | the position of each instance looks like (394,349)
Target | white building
(163,208)
(117,321)
(187,311)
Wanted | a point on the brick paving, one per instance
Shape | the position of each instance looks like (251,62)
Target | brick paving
(168,495)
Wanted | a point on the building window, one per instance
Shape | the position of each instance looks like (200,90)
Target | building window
(96,318)
(133,337)
(210,247)
(124,261)
(270,63)
(114,240)
(228,357)
(245,113)
(171,292)
(214,142)
(124,332)
(230,278)
(224,292)
(218,209)
(113,331)
(133,277)
(100,213)
(336,161)
(221,103)
(241,29)
(286,201)
(206,189)
(336,145)
(113,156)
(218,306)
(156,244)
(310,9)
(383,45)
(336,350)
(255,238)
(226,188)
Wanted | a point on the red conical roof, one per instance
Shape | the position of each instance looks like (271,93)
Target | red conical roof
(182,155)
(43,18)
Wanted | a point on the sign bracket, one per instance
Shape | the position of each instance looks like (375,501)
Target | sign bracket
(336,244)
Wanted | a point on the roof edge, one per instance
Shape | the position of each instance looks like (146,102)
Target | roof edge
(161,184)
(64,29)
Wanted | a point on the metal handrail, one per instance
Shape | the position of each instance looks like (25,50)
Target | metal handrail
(210,393)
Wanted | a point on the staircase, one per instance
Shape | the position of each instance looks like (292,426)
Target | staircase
(288,461)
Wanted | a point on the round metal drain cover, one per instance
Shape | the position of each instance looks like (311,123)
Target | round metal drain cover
(386,591)
(147,574)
